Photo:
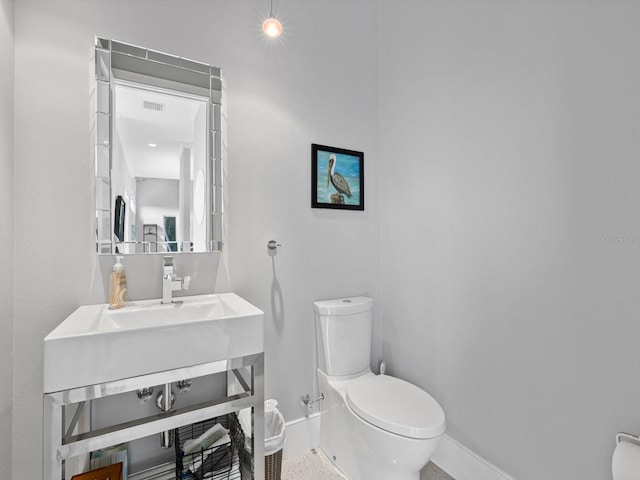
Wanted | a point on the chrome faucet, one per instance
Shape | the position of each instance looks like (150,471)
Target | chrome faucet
(171,282)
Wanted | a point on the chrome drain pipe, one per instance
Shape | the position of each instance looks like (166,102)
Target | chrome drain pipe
(165,401)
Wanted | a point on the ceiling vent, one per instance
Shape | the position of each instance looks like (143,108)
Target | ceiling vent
(156,107)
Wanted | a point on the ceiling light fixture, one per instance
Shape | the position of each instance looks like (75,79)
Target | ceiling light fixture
(152,145)
(271,27)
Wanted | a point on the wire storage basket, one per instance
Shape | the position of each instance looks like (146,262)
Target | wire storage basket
(218,461)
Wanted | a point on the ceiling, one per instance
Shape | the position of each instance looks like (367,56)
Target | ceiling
(169,124)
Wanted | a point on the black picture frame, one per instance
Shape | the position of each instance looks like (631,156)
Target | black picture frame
(345,189)
(118,224)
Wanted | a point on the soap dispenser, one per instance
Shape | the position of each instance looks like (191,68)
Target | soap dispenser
(118,285)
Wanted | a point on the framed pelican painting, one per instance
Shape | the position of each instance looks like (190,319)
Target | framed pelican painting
(337,178)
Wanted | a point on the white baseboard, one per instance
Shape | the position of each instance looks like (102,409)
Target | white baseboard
(454,458)
(464,464)
(303,435)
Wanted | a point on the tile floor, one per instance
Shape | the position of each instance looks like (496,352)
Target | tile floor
(315,466)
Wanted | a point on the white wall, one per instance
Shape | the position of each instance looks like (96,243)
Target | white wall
(311,86)
(509,159)
(156,198)
(6,231)
(122,183)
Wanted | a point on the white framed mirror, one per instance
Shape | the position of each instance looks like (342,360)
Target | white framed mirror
(158,152)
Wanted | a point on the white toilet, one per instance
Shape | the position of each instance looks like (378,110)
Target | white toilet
(373,427)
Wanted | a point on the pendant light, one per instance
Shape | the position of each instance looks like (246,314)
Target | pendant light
(271,27)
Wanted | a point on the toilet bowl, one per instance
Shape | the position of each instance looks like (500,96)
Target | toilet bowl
(373,427)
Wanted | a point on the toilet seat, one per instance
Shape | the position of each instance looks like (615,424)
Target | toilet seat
(396,406)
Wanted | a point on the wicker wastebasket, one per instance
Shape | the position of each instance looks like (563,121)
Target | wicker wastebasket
(275,436)
(273,466)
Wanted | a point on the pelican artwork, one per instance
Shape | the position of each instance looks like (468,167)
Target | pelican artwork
(337,180)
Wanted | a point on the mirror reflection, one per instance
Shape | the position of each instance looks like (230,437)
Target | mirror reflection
(159,146)
(158,152)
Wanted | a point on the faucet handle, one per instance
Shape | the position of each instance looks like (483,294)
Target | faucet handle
(186,280)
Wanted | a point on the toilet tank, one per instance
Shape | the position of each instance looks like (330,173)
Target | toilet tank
(343,335)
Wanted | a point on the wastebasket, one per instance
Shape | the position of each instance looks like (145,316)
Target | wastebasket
(274,437)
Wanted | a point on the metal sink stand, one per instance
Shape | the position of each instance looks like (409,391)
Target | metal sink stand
(59,445)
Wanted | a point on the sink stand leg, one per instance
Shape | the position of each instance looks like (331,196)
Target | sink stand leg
(257,427)
(52,439)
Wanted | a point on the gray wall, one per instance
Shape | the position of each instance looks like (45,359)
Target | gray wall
(6,232)
(281,98)
(510,223)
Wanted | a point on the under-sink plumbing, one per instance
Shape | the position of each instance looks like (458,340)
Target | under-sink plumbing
(144,394)
(165,400)
(306,401)
(184,385)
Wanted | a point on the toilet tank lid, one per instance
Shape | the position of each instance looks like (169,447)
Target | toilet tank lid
(343,306)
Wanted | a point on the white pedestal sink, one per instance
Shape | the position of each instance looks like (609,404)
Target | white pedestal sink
(96,345)
(97,352)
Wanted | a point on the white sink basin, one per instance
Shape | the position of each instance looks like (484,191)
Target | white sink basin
(96,345)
